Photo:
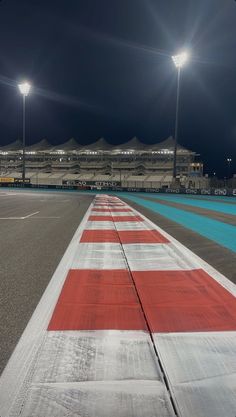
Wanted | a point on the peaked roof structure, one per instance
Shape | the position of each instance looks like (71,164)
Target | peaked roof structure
(101,145)
(168,143)
(69,145)
(165,144)
(39,146)
(13,146)
(132,144)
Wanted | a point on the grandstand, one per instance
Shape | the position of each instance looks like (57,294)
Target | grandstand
(130,164)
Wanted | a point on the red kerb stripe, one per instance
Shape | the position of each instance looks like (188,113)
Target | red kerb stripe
(185,301)
(90,300)
(141,236)
(97,236)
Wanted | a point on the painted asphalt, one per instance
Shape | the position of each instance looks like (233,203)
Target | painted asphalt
(217,198)
(132,324)
(212,205)
(222,233)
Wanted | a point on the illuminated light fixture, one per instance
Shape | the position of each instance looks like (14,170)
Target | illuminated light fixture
(24,88)
(229,160)
(180,59)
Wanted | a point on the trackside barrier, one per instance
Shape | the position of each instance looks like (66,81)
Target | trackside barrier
(203,191)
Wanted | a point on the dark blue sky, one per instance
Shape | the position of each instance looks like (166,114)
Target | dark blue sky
(103,68)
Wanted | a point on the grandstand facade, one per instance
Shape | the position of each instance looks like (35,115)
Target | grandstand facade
(130,164)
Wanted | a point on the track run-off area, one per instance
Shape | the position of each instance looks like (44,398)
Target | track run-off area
(129,300)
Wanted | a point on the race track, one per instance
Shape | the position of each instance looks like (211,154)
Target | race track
(130,316)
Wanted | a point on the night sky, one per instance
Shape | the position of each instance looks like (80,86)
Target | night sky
(102,68)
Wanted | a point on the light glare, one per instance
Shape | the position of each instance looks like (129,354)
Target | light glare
(24,88)
(180,59)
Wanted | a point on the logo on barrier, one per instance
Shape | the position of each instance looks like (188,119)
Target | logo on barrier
(134,189)
(81,183)
(205,191)
(152,190)
(220,191)
(191,191)
(106,183)
(172,190)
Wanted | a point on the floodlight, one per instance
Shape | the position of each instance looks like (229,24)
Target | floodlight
(180,59)
(24,88)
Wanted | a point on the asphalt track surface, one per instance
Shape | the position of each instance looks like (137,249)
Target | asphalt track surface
(31,247)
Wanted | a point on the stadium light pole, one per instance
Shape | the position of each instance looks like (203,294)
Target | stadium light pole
(179,61)
(229,160)
(24,89)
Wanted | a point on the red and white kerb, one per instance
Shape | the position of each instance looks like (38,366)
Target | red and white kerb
(137,326)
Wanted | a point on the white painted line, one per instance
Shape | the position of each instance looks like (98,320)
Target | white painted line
(11,218)
(19,218)
(47,217)
(5,194)
(30,215)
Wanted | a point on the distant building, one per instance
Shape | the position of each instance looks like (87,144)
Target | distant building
(132,163)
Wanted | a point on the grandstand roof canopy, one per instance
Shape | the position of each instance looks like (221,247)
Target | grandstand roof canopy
(132,144)
(40,146)
(70,145)
(101,145)
(13,146)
